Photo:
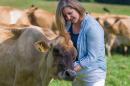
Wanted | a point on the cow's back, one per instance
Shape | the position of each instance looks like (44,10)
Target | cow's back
(42,18)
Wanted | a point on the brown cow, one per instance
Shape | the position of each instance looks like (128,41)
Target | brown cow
(42,18)
(30,58)
(117,30)
(13,17)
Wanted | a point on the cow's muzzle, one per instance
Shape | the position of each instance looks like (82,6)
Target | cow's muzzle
(68,75)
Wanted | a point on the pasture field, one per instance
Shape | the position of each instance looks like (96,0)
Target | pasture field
(118,73)
(51,6)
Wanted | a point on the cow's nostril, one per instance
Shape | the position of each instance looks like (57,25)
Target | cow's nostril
(70,75)
(67,73)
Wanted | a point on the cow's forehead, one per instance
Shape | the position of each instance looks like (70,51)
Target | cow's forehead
(61,40)
(65,50)
(62,55)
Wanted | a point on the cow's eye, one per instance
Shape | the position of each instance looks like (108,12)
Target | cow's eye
(66,55)
(56,52)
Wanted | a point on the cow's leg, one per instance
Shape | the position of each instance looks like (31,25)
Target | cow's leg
(110,41)
(125,48)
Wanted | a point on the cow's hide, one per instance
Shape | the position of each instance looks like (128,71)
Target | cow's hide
(28,58)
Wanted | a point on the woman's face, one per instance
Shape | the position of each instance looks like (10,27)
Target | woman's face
(71,14)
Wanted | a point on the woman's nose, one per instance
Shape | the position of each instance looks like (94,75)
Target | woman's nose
(68,18)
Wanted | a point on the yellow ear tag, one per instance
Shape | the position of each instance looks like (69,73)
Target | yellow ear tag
(40,47)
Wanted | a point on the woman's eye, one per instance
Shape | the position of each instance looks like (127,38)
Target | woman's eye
(70,12)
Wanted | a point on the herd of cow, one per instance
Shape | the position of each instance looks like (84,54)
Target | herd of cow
(117,31)
(33,50)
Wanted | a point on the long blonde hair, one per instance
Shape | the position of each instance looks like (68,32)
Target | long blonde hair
(61,22)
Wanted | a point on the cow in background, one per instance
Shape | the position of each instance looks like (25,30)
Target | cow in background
(13,17)
(33,15)
(42,18)
(117,31)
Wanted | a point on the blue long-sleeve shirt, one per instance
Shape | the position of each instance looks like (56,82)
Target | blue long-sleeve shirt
(90,45)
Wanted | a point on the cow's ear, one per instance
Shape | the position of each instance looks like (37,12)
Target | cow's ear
(41,46)
(17,32)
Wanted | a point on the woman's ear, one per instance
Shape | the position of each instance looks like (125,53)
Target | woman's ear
(41,46)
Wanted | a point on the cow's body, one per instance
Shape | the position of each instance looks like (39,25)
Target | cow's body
(42,18)
(30,59)
(117,31)
(121,34)
(13,17)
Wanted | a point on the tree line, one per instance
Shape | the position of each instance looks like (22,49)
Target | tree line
(110,1)
(125,2)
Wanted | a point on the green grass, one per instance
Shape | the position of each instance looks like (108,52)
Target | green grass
(60,83)
(115,9)
(118,73)
(51,6)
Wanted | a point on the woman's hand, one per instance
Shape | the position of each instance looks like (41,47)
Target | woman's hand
(77,68)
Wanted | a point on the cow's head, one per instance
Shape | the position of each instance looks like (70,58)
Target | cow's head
(59,58)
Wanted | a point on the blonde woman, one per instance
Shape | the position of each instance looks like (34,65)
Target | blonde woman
(88,38)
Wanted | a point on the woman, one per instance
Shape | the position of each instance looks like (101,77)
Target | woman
(88,37)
